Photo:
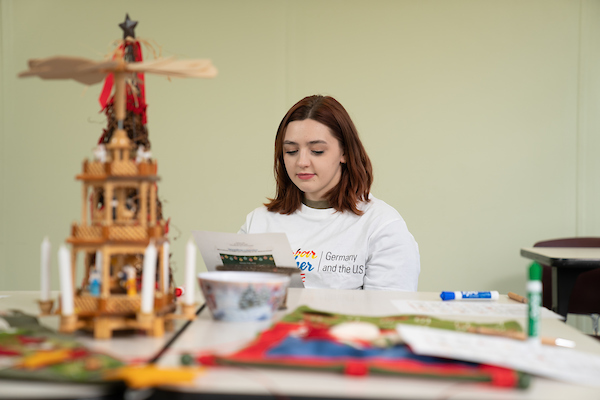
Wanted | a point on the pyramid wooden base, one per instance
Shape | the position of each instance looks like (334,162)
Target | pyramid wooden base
(103,316)
(104,326)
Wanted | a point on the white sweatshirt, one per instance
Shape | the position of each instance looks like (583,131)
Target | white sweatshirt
(346,251)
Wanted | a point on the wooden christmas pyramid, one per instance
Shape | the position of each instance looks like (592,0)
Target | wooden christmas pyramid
(122,234)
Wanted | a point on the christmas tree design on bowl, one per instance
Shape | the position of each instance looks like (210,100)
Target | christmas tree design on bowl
(239,296)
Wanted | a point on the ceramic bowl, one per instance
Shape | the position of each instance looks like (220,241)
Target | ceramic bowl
(239,296)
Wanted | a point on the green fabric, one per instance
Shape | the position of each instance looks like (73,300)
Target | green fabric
(390,322)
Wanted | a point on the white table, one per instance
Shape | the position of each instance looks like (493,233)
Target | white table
(206,334)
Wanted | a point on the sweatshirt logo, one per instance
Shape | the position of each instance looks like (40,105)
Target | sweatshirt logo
(340,263)
(305,260)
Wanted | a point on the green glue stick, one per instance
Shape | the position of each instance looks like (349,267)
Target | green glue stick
(534,295)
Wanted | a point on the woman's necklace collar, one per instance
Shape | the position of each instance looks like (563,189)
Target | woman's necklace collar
(318,204)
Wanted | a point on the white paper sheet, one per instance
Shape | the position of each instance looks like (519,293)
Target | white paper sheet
(273,247)
(471,308)
(548,361)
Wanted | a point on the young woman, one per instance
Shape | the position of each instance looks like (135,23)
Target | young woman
(343,237)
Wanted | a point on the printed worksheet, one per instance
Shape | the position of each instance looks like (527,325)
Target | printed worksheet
(469,308)
(558,363)
(221,248)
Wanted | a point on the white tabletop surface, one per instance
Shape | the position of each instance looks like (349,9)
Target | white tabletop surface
(223,337)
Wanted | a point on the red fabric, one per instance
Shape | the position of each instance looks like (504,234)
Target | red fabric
(255,353)
(318,332)
(30,339)
(106,90)
(356,368)
(134,102)
(8,352)
(79,353)
(108,84)
(501,377)
(266,339)
(209,360)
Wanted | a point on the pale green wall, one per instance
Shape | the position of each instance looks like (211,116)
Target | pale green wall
(480,118)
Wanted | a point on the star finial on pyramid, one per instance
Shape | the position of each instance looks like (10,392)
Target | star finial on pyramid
(128,26)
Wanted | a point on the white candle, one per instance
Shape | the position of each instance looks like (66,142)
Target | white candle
(166,250)
(148,277)
(190,272)
(45,270)
(66,281)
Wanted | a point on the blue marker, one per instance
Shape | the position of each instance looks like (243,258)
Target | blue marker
(493,295)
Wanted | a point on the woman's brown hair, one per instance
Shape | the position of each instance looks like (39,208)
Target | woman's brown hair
(357,173)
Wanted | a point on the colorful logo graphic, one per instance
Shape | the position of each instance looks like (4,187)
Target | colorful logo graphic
(305,260)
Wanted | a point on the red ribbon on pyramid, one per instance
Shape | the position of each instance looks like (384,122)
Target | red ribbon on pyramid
(136,91)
